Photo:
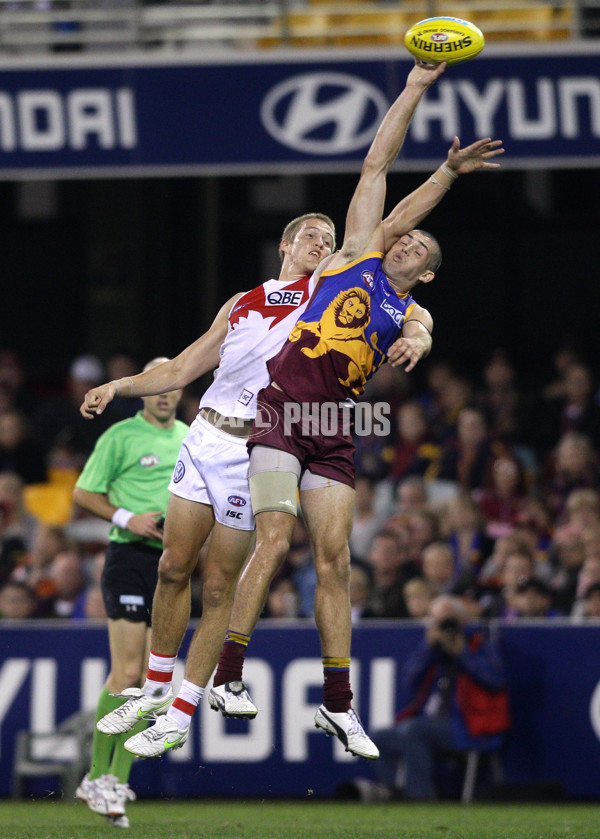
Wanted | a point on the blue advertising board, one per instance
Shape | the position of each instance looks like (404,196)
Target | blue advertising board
(48,671)
(82,117)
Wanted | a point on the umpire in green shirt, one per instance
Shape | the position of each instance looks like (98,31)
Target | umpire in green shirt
(126,481)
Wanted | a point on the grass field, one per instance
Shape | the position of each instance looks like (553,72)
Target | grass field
(168,819)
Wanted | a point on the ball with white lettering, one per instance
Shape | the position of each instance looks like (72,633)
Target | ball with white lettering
(449,39)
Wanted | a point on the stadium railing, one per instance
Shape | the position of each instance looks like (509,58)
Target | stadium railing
(47,26)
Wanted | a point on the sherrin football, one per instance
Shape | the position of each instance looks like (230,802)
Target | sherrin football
(450,39)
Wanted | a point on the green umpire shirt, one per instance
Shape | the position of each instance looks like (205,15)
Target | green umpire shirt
(132,464)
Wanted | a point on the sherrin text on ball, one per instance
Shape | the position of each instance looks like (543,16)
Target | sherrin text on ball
(449,39)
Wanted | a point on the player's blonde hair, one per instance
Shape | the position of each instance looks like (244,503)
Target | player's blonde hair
(294,225)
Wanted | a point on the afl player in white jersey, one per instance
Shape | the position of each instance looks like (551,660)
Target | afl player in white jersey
(209,487)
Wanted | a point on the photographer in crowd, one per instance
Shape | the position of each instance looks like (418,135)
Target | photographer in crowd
(457,701)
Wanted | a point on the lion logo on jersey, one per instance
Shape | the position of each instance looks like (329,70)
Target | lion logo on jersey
(342,328)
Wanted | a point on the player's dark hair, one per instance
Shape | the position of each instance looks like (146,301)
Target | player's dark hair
(435,252)
(294,225)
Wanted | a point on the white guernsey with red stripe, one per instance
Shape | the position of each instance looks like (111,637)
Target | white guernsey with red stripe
(259,323)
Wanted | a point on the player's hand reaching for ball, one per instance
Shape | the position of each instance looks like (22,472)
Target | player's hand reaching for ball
(478,155)
(424,74)
(96,399)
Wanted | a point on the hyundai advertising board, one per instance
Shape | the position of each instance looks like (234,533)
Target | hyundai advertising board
(78,117)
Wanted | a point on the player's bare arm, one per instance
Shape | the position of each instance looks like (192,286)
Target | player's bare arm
(194,361)
(419,203)
(415,340)
(143,524)
(363,220)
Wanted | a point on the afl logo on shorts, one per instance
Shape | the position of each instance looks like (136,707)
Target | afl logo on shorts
(368,279)
(236,501)
(179,472)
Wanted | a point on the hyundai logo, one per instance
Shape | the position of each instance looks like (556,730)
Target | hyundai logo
(323,113)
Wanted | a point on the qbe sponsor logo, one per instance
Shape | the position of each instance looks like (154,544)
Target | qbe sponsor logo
(285,298)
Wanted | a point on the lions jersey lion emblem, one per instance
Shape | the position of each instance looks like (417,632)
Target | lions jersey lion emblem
(342,328)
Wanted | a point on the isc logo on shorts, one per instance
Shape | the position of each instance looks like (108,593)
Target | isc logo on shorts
(236,501)
(284,298)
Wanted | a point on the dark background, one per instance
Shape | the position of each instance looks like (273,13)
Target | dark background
(144,264)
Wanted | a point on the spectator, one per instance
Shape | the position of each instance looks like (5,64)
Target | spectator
(493,567)
(501,603)
(374,454)
(466,536)
(17,601)
(567,557)
(121,365)
(391,569)
(503,495)
(366,521)
(58,421)
(582,509)
(423,529)
(19,452)
(563,358)
(65,581)
(575,466)
(454,394)
(12,546)
(468,458)
(300,567)
(589,575)
(411,495)
(450,667)
(417,596)
(533,599)
(438,567)
(592,602)
(90,603)
(438,374)
(282,600)
(14,391)
(361,591)
(19,522)
(501,400)
(576,411)
(415,453)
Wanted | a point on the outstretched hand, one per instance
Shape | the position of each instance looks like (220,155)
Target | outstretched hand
(424,74)
(96,400)
(473,157)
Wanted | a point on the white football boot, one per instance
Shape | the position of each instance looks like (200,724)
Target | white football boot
(158,739)
(93,793)
(233,700)
(138,706)
(347,727)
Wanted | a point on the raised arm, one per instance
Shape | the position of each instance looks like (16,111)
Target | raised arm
(194,361)
(363,220)
(414,207)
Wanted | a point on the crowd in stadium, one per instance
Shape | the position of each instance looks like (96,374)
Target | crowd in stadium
(486,489)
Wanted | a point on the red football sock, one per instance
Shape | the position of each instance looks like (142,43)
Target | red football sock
(231,662)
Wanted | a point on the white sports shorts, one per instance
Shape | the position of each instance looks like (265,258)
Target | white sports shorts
(212,468)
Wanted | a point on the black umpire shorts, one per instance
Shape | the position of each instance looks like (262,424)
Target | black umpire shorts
(129,580)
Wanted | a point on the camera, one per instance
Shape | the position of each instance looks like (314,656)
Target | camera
(450,626)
